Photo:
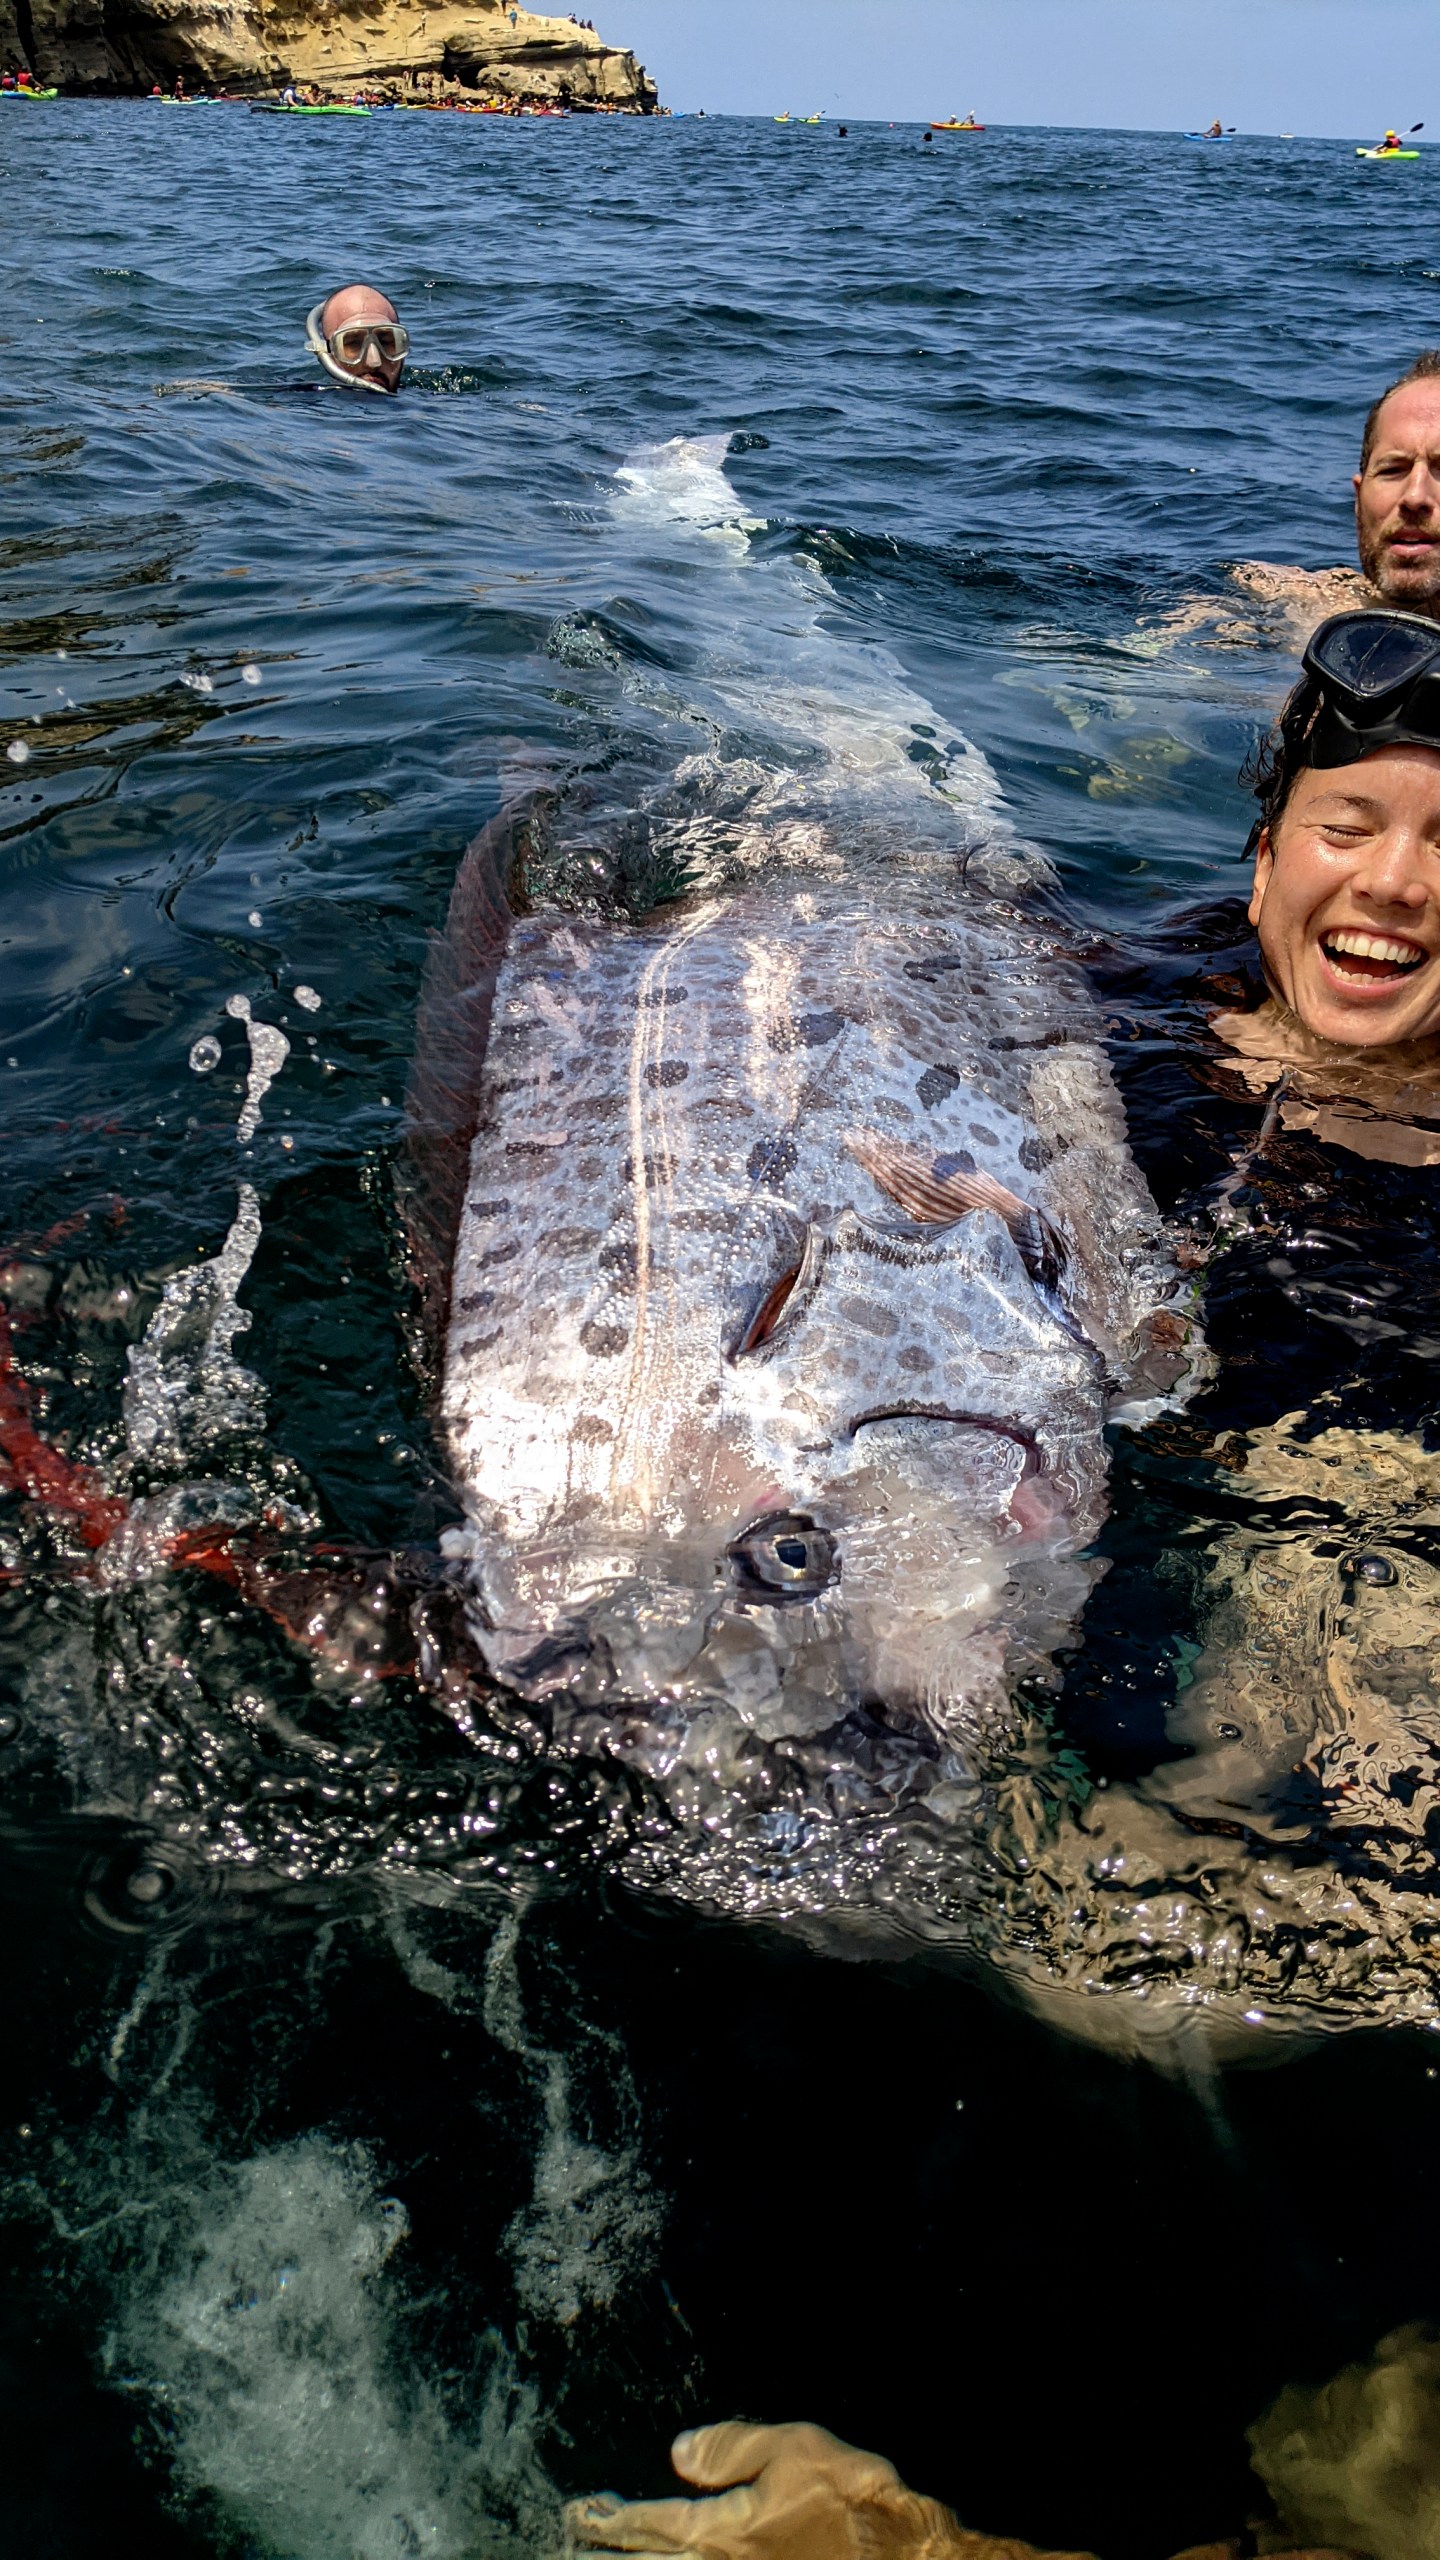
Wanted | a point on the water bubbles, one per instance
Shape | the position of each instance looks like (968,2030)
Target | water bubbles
(269,1050)
(134,1890)
(18,752)
(307,997)
(9,1724)
(205,1054)
(1377,1570)
(255,918)
(250,674)
(149,1884)
(198,681)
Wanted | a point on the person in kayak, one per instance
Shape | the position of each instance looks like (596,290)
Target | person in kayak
(358,337)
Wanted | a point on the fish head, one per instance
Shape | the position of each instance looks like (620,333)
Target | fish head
(858,1479)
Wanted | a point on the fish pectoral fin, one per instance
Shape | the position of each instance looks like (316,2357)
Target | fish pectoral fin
(936,1199)
(767,1315)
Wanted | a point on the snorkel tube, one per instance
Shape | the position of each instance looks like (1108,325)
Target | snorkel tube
(315,341)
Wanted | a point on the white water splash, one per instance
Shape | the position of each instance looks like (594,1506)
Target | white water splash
(184,1388)
(851,732)
(269,1050)
(593,2218)
(268,2336)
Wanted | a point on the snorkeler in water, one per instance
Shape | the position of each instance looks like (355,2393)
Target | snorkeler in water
(1346,895)
(1397,514)
(357,336)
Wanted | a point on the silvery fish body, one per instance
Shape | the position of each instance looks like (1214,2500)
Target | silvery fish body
(801,1261)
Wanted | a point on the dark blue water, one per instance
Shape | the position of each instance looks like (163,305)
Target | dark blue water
(273,655)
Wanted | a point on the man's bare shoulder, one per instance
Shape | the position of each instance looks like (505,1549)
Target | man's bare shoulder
(1277,607)
(1305,595)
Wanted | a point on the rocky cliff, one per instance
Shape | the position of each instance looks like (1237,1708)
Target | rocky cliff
(100,47)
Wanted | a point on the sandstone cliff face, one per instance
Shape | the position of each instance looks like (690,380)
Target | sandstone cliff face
(119,46)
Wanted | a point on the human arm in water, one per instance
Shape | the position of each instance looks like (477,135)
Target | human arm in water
(785,2493)
(797,2493)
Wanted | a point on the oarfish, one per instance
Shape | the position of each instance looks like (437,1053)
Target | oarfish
(800,1263)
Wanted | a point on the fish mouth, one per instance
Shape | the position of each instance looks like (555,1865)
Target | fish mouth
(1023,1439)
(1358,960)
(1038,1506)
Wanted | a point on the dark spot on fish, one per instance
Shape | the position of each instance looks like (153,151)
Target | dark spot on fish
(932,969)
(770,1159)
(513,1084)
(984,1137)
(936,1085)
(646,1173)
(592,1426)
(620,1259)
(807,1031)
(708,1395)
(959,1160)
(914,1357)
(1035,1155)
(477,1305)
(532,1147)
(665,995)
(663,1071)
(571,1239)
(486,1208)
(867,1317)
(604,1340)
(590,1168)
(499,1253)
(476,1342)
(595,1106)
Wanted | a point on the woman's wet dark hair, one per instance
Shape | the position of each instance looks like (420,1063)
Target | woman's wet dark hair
(1272,768)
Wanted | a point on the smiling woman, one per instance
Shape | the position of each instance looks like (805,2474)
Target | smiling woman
(1346,895)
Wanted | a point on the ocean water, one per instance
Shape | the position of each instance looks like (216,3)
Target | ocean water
(377,2164)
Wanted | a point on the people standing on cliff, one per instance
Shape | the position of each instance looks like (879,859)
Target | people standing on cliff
(356,334)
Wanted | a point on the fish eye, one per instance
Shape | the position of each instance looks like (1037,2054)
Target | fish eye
(784,1557)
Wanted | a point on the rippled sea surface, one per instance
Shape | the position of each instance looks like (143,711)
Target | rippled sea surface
(377,2162)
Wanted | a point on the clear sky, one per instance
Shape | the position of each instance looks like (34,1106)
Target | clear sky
(1270,66)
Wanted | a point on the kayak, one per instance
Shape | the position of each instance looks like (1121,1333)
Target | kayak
(29,93)
(952,124)
(310,111)
(1387,155)
(1207,137)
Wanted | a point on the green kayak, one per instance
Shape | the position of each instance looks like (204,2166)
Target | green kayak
(1387,155)
(29,93)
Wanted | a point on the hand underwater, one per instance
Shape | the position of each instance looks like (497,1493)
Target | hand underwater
(789,2493)
(797,2493)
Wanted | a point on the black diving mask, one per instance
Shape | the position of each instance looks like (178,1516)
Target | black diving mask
(1377,674)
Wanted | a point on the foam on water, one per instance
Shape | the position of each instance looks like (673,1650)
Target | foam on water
(829,719)
(265,2330)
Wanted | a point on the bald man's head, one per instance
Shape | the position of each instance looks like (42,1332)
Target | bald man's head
(363,337)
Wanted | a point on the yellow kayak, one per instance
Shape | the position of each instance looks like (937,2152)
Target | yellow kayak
(957,124)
